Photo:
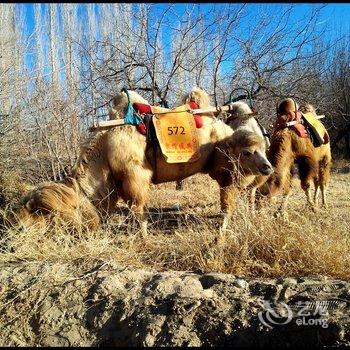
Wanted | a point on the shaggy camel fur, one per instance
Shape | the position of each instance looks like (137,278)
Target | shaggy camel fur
(63,200)
(244,164)
(118,164)
(238,121)
(287,147)
(200,97)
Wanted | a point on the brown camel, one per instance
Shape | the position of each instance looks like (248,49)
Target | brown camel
(287,148)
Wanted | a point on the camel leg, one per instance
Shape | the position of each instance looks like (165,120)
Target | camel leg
(180,185)
(316,193)
(135,193)
(283,183)
(285,199)
(227,196)
(142,219)
(258,181)
(252,199)
(279,182)
(324,176)
(323,195)
(308,173)
(307,191)
(282,210)
(306,186)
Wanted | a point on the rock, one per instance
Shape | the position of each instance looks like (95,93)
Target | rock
(241,283)
(190,287)
(54,340)
(288,281)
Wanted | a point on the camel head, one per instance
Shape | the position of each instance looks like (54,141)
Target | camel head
(63,200)
(239,109)
(248,149)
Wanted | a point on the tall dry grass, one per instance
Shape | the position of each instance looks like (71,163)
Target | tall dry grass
(183,227)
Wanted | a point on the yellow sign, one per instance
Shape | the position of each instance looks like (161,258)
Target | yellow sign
(177,134)
(316,126)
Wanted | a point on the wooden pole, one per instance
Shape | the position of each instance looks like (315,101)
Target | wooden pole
(294,122)
(117,122)
(107,124)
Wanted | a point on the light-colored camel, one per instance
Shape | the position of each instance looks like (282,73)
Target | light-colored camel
(243,177)
(239,120)
(118,163)
(314,163)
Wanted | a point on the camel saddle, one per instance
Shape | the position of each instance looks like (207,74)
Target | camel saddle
(316,129)
(174,131)
(308,126)
(177,135)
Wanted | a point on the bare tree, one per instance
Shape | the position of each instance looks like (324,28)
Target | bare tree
(161,51)
(53,40)
(338,86)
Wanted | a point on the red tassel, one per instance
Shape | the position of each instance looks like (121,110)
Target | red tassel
(142,108)
(141,128)
(197,117)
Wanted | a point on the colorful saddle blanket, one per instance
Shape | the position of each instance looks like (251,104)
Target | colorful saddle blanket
(177,135)
(174,130)
(308,126)
(291,116)
(147,109)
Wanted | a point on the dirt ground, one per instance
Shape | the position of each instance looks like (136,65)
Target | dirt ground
(274,281)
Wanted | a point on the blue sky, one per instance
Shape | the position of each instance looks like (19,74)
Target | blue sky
(334,17)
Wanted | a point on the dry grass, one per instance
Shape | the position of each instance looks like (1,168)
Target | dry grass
(261,245)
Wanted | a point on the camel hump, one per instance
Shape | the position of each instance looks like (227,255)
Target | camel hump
(198,96)
(307,108)
(286,106)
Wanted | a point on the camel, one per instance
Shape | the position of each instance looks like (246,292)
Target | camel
(238,120)
(287,148)
(117,163)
